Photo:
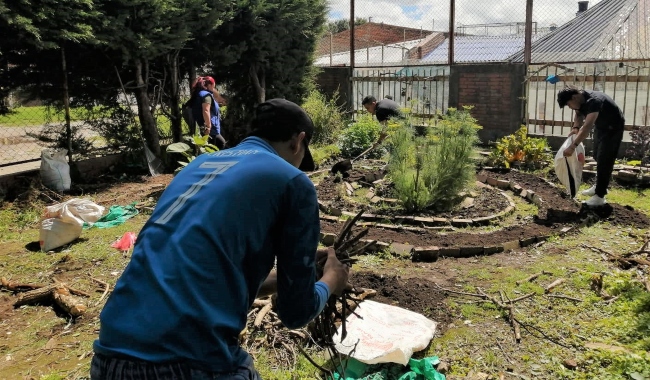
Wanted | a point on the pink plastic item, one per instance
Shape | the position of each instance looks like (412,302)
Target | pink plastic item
(126,242)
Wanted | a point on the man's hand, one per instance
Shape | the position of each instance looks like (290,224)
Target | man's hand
(569,151)
(335,273)
(574,131)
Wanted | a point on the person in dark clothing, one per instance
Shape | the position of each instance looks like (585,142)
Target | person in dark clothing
(594,109)
(384,110)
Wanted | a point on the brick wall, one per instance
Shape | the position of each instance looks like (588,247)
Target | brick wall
(494,90)
(331,79)
(425,47)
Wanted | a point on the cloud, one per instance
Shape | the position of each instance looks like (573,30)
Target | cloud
(428,14)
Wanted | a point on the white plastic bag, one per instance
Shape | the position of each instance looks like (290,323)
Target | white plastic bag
(75,211)
(55,233)
(63,222)
(569,169)
(55,171)
(381,333)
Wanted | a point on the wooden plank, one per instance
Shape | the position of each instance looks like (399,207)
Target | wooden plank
(628,127)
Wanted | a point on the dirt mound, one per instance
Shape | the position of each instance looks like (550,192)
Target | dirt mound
(414,294)
(624,216)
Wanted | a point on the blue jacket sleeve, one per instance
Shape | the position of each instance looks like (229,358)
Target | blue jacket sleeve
(300,298)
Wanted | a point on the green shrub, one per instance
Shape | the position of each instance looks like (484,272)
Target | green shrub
(430,172)
(199,146)
(359,136)
(326,115)
(518,147)
(322,153)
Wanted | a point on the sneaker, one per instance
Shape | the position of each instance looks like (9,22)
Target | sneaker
(596,201)
(590,191)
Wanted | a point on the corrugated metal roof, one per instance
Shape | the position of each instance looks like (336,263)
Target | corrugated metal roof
(611,29)
(469,49)
(388,55)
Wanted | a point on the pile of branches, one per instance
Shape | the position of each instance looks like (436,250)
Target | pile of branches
(326,325)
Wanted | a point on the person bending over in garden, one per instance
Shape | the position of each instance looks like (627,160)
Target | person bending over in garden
(595,109)
(207,252)
(205,110)
(384,110)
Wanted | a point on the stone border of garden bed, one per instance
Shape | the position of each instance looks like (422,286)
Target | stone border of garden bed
(432,253)
(430,222)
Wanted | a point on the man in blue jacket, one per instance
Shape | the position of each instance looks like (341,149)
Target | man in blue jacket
(207,252)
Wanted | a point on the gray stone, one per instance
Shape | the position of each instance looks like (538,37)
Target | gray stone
(492,249)
(335,211)
(481,178)
(461,222)
(503,184)
(426,254)
(471,251)
(492,181)
(510,245)
(328,239)
(449,252)
(401,250)
(467,202)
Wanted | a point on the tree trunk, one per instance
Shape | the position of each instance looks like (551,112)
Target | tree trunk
(192,74)
(259,82)
(66,105)
(175,98)
(148,123)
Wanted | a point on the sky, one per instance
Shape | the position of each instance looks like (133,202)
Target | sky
(434,14)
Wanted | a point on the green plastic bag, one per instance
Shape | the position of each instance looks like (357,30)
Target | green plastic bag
(423,369)
(116,215)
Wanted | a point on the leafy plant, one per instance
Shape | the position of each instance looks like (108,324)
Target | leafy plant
(640,147)
(199,146)
(320,154)
(430,171)
(359,136)
(519,147)
(326,115)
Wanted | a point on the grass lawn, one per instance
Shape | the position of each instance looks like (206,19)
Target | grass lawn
(36,116)
(605,339)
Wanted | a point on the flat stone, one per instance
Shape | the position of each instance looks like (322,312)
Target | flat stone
(330,218)
(542,238)
(378,182)
(372,247)
(471,251)
(405,218)
(510,245)
(349,187)
(508,210)
(527,241)
(481,178)
(425,254)
(484,219)
(570,364)
(523,193)
(516,188)
(589,167)
(418,219)
(537,200)
(388,226)
(626,176)
(348,213)
(449,252)
(503,184)
(565,230)
(440,221)
(401,250)
(461,222)
(370,194)
(375,199)
(473,194)
(492,181)
(390,200)
(588,174)
(381,245)
(529,195)
(467,202)
(327,239)
(355,185)
(606,347)
(492,249)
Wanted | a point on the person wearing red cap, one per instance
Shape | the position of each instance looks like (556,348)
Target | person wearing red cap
(206,111)
(208,251)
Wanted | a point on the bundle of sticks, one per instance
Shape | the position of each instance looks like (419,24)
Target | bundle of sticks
(325,326)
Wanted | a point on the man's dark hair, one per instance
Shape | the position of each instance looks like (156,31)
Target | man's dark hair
(368,99)
(565,94)
(389,97)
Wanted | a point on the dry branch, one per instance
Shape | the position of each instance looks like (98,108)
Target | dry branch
(36,296)
(67,302)
(554,284)
(260,316)
(17,287)
(72,290)
(107,287)
(564,297)
(533,277)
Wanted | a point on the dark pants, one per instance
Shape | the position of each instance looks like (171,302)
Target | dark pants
(105,368)
(217,140)
(606,144)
